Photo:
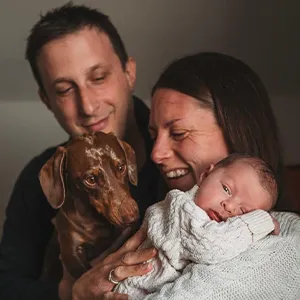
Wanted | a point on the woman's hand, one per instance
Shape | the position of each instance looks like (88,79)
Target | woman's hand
(126,262)
(276,230)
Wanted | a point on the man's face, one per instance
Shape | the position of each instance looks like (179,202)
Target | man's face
(85,85)
(231,191)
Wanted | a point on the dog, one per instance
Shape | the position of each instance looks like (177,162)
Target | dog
(87,180)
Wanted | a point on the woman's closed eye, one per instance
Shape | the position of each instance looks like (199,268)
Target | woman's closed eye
(178,135)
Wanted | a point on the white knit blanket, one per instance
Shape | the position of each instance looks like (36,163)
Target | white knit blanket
(269,269)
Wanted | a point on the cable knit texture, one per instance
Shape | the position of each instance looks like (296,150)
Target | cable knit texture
(201,259)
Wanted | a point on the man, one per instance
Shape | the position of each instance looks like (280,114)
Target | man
(86,79)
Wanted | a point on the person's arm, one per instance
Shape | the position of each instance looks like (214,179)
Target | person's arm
(26,232)
(214,242)
(126,262)
(268,270)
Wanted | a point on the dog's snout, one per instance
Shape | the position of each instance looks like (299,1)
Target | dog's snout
(130,213)
(131,219)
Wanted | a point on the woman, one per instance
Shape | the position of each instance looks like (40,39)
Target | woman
(204,107)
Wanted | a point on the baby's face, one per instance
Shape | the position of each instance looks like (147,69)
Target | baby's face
(231,191)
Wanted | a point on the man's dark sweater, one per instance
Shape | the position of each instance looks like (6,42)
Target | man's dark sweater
(28,228)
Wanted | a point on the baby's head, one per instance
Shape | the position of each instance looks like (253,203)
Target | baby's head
(238,184)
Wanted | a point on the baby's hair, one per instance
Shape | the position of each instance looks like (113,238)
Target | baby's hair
(264,171)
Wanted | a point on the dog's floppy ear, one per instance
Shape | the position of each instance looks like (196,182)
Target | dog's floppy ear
(51,178)
(131,162)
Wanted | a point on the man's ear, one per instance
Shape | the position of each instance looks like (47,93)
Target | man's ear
(44,98)
(130,70)
(204,174)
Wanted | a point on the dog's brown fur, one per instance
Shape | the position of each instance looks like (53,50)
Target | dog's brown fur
(88,181)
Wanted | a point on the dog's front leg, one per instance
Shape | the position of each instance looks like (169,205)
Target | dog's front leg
(74,256)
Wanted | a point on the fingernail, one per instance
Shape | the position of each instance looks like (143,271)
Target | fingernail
(145,265)
(154,251)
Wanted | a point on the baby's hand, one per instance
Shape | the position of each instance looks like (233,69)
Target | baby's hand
(276,230)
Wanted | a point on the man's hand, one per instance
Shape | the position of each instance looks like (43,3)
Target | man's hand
(126,262)
(65,285)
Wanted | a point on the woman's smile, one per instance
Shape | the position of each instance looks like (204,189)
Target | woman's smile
(177,173)
(180,178)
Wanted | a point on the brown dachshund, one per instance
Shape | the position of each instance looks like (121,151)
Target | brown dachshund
(88,180)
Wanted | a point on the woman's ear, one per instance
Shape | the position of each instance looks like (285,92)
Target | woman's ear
(205,173)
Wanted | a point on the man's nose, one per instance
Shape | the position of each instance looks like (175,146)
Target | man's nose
(87,102)
(161,150)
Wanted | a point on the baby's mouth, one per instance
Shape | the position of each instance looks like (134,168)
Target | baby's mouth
(213,215)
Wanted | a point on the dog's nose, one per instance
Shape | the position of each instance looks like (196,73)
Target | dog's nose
(130,219)
(130,213)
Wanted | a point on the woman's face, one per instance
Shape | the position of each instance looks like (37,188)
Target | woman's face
(186,137)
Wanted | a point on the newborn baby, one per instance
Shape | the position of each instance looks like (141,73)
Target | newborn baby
(215,221)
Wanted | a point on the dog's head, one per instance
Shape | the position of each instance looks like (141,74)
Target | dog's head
(94,168)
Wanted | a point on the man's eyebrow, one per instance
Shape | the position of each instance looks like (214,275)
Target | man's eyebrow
(70,80)
(96,67)
(61,79)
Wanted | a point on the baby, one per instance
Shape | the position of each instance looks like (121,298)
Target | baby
(208,224)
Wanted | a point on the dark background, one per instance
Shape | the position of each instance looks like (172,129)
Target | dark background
(265,34)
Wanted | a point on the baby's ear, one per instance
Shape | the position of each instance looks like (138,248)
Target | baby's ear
(205,173)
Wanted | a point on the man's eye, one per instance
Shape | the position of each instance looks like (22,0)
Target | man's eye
(226,189)
(63,92)
(99,79)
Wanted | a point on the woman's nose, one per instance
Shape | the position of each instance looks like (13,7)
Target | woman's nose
(161,150)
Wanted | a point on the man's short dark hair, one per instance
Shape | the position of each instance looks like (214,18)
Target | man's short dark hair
(65,20)
(264,171)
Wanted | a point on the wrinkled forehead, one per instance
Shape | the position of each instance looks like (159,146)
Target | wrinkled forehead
(91,151)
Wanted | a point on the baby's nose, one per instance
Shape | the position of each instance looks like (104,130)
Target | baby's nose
(231,207)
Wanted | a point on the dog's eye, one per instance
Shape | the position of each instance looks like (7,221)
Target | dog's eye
(91,180)
(121,168)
